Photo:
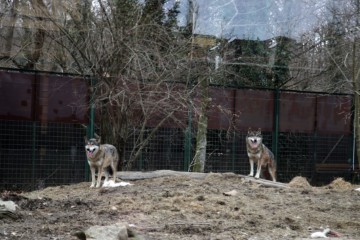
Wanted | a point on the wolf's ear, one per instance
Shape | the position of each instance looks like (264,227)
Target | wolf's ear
(249,129)
(86,139)
(97,137)
(259,130)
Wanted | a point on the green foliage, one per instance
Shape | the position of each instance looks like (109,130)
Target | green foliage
(254,64)
(172,14)
(247,67)
(125,12)
(280,69)
(153,12)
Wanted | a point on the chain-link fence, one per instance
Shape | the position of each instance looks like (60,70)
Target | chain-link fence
(299,154)
(41,132)
(35,155)
(42,122)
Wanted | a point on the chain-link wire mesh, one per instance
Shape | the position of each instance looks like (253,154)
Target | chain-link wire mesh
(34,155)
(164,151)
(300,154)
(41,133)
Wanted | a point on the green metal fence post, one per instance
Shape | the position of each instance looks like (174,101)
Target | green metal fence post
(91,127)
(92,109)
(33,145)
(351,158)
(314,154)
(233,152)
(275,140)
(187,148)
(353,136)
(91,122)
(314,160)
(33,154)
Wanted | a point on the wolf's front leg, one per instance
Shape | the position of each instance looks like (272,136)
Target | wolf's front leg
(92,177)
(251,168)
(100,173)
(258,170)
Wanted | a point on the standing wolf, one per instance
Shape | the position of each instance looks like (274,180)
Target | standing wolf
(101,156)
(258,153)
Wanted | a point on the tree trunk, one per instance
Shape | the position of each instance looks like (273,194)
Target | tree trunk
(201,140)
(38,38)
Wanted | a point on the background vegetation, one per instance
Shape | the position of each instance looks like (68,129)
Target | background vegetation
(137,53)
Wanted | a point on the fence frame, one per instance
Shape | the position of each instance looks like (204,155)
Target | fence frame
(188,132)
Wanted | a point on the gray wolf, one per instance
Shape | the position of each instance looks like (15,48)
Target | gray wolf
(259,154)
(100,157)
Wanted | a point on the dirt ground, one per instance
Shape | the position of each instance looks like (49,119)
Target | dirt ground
(183,207)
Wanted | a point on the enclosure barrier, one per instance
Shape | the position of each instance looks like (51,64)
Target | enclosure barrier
(43,119)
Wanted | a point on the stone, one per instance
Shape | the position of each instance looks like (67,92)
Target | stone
(111,232)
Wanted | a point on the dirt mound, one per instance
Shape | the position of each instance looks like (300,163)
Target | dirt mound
(186,208)
(299,182)
(340,184)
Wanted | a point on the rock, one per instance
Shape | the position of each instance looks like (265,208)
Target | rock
(132,175)
(230,193)
(8,209)
(112,232)
(222,236)
(9,205)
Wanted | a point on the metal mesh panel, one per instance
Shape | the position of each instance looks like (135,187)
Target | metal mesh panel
(220,151)
(35,155)
(164,151)
(295,155)
(335,151)
(36,152)
(16,153)
(333,148)
(226,151)
(301,154)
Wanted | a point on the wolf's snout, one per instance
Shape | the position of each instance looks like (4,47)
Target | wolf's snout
(254,140)
(89,150)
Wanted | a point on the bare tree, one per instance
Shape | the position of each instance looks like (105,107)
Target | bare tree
(356,78)
(8,19)
(137,61)
(335,53)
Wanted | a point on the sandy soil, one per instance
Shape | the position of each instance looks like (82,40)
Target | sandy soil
(181,207)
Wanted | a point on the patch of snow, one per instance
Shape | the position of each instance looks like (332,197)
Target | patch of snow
(111,183)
